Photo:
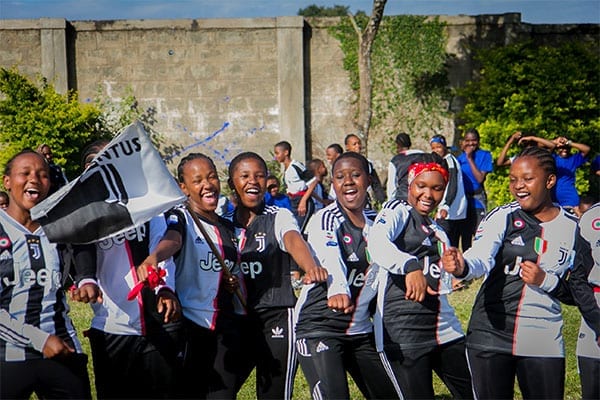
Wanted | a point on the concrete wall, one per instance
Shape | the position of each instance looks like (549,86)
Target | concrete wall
(221,86)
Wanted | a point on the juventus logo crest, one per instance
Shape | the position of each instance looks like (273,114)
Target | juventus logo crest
(260,239)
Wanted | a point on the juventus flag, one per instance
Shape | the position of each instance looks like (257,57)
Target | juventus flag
(125,185)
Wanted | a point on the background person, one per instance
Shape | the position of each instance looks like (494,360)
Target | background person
(353,143)
(453,207)
(58,178)
(397,182)
(475,164)
(4,200)
(299,183)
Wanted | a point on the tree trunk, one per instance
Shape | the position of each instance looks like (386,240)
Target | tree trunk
(365,43)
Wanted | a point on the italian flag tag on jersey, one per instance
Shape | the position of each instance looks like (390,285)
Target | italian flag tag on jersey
(540,246)
(441,247)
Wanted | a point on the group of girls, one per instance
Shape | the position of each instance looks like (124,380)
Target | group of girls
(374,301)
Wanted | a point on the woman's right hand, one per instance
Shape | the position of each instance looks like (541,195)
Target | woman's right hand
(453,261)
(416,286)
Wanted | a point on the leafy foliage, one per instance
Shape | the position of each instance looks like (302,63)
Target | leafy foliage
(410,85)
(549,91)
(32,115)
(314,10)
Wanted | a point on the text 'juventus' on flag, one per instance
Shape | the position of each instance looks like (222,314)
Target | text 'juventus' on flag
(125,185)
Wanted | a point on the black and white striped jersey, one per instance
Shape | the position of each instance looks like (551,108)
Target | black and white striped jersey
(32,301)
(510,316)
(264,259)
(401,241)
(340,247)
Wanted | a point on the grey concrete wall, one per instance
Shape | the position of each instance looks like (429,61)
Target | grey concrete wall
(222,86)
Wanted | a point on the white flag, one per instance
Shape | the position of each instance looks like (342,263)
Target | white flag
(125,185)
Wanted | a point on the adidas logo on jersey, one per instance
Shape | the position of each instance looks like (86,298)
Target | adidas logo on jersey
(277,333)
(426,242)
(5,255)
(518,241)
(199,240)
(321,347)
(353,257)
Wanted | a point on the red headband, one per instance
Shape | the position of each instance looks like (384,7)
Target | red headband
(418,168)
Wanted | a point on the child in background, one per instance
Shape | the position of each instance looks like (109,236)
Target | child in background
(319,171)
(273,197)
(3,200)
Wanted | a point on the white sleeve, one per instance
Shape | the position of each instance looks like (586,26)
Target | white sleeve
(20,334)
(284,222)
(390,186)
(389,223)
(488,239)
(326,247)
(158,228)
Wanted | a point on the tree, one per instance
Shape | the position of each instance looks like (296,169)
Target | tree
(546,90)
(366,37)
(321,11)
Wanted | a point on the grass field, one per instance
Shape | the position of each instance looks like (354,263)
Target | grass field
(461,300)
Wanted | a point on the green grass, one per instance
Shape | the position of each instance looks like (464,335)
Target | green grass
(462,302)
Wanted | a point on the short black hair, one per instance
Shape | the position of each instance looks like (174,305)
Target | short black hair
(350,154)
(336,147)
(543,156)
(285,145)
(190,157)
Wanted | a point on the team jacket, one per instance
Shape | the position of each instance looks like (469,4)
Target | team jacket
(117,259)
(585,285)
(32,302)
(341,248)
(264,260)
(401,241)
(198,276)
(510,316)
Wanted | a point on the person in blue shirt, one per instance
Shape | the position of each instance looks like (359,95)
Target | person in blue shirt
(273,197)
(475,164)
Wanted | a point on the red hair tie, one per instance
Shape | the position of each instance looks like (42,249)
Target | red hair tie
(417,169)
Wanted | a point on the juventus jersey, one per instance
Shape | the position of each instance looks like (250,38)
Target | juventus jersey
(199,275)
(401,240)
(264,260)
(510,316)
(340,247)
(117,259)
(585,285)
(32,302)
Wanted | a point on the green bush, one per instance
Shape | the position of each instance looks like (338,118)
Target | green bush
(32,115)
(548,91)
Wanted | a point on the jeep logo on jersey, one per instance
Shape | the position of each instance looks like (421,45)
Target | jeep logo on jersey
(260,239)
(356,279)
(434,270)
(138,233)
(252,268)
(28,277)
(212,263)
